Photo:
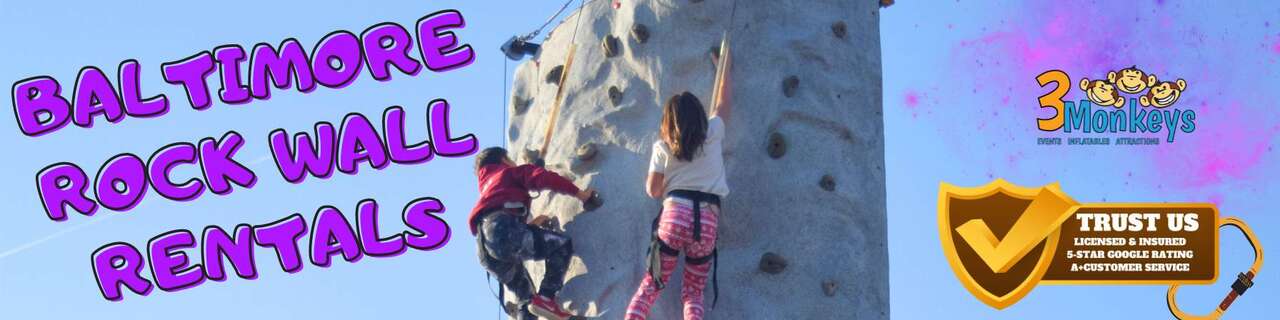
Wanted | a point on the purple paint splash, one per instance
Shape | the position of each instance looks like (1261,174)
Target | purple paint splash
(911,99)
(1230,146)
(996,70)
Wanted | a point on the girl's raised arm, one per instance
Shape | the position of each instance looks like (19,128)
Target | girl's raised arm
(724,88)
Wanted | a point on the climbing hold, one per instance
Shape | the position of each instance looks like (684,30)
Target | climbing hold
(777,145)
(521,104)
(592,203)
(611,46)
(886,3)
(789,86)
(529,156)
(553,76)
(827,183)
(640,33)
(772,263)
(615,95)
(829,288)
(839,29)
(586,152)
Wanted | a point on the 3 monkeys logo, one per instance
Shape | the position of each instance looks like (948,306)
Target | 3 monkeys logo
(1152,116)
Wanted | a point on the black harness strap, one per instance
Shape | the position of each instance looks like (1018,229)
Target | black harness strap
(714,258)
(657,248)
(697,197)
(484,253)
(488,276)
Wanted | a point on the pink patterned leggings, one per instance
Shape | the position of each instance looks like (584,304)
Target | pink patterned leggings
(675,229)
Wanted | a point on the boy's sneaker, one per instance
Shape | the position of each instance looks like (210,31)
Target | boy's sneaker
(548,308)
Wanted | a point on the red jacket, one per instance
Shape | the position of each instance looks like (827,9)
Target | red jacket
(500,183)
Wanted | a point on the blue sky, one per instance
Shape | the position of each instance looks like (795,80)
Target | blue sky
(958,86)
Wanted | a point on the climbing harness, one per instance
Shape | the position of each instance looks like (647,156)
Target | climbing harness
(697,198)
(657,247)
(488,277)
(515,208)
(1243,281)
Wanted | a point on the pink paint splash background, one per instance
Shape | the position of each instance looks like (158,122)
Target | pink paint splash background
(989,87)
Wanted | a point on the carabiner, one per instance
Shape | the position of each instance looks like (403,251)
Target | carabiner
(1243,280)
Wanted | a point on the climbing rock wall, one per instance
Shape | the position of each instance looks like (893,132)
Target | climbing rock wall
(803,233)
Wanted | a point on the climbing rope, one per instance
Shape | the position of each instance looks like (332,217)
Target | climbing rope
(564,75)
(733,13)
(724,51)
(538,66)
(721,68)
(544,25)
(502,132)
(506,105)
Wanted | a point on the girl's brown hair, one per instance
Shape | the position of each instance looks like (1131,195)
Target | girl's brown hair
(684,126)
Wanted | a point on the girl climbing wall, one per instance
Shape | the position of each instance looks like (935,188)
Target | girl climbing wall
(687,167)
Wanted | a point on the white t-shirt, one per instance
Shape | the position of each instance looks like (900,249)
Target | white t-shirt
(705,173)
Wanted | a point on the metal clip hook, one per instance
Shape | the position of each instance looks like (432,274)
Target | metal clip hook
(1243,280)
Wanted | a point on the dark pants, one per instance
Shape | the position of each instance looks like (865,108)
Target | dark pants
(506,242)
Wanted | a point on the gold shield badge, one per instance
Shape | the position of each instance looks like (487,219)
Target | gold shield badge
(1000,238)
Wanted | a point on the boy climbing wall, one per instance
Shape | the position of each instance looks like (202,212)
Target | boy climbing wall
(506,236)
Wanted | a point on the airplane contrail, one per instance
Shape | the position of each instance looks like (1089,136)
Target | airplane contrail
(51,236)
(258,160)
(74,228)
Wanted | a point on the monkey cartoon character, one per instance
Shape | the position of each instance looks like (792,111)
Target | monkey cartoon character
(1130,80)
(1101,93)
(1163,94)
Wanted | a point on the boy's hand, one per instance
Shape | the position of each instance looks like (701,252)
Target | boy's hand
(541,221)
(592,201)
(585,194)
